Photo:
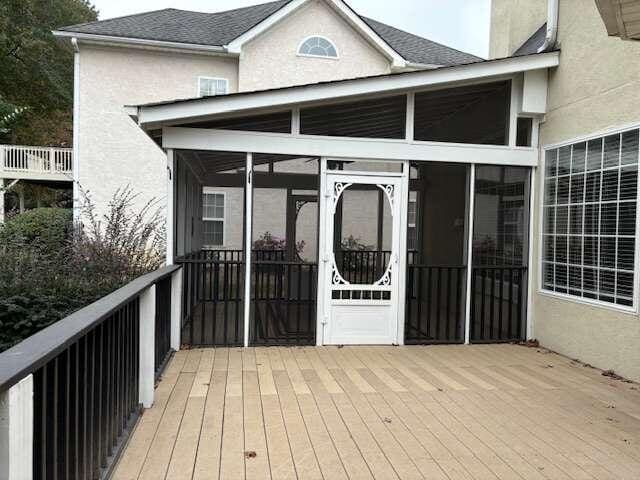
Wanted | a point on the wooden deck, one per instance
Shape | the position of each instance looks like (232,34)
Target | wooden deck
(442,412)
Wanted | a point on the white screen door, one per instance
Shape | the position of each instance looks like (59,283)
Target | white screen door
(361,232)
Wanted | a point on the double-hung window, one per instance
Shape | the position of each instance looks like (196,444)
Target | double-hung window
(213,215)
(589,219)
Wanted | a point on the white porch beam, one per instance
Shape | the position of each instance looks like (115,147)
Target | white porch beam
(340,147)
(234,103)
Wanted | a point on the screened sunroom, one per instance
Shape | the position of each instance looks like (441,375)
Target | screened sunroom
(383,210)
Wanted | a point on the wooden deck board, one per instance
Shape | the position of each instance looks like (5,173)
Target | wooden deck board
(443,412)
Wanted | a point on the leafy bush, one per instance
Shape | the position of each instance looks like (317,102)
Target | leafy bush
(50,267)
(45,228)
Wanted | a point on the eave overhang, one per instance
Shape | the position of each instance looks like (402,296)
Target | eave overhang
(154,115)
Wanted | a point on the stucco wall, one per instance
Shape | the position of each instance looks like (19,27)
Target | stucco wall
(113,151)
(271,59)
(596,87)
(512,23)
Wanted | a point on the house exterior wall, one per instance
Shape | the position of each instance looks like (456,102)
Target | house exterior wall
(512,23)
(595,88)
(113,151)
(271,60)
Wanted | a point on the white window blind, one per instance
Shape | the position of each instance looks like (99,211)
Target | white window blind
(213,215)
(212,86)
(589,219)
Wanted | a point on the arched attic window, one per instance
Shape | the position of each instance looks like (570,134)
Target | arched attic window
(317,46)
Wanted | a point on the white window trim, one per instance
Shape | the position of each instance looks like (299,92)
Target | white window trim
(337,57)
(204,77)
(213,191)
(635,309)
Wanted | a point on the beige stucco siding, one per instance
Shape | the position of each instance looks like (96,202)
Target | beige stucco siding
(271,59)
(113,151)
(596,87)
(512,23)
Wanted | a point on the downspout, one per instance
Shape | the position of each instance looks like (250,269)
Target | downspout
(552,26)
(76,129)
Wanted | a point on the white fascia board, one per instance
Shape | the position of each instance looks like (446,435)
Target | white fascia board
(343,10)
(339,147)
(397,61)
(235,46)
(141,43)
(235,103)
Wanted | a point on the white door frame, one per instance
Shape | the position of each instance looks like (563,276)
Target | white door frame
(325,305)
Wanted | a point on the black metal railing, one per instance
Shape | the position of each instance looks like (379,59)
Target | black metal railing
(86,380)
(435,306)
(213,293)
(163,324)
(283,303)
(498,304)
(367,266)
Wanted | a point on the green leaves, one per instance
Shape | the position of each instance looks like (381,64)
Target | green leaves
(37,69)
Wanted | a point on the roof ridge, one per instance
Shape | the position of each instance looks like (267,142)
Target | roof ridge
(421,37)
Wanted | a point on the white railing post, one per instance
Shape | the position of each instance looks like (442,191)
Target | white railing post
(176,309)
(3,156)
(16,431)
(147,346)
(52,160)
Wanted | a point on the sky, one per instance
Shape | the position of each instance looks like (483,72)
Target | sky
(461,24)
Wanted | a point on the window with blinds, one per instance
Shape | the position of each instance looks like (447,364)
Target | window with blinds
(589,219)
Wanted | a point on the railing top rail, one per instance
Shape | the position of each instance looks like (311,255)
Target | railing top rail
(36,147)
(33,352)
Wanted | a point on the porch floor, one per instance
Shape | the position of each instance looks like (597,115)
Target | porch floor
(437,412)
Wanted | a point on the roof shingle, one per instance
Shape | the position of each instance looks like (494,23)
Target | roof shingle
(218,29)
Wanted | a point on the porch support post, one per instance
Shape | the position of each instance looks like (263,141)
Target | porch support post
(247,246)
(147,346)
(402,251)
(16,431)
(411,109)
(176,308)
(530,262)
(467,309)
(170,208)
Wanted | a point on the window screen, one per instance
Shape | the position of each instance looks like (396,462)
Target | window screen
(589,218)
(213,219)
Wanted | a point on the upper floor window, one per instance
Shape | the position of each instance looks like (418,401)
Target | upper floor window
(318,47)
(208,86)
(589,225)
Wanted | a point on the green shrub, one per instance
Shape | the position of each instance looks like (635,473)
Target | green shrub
(50,268)
(48,229)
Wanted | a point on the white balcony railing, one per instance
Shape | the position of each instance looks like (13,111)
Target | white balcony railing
(20,161)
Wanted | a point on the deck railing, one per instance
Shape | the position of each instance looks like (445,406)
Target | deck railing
(38,161)
(70,393)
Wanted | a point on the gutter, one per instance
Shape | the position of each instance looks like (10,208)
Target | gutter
(552,26)
(139,42)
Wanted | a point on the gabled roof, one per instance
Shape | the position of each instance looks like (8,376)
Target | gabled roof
(221,28)
(533,43)
(182,26)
